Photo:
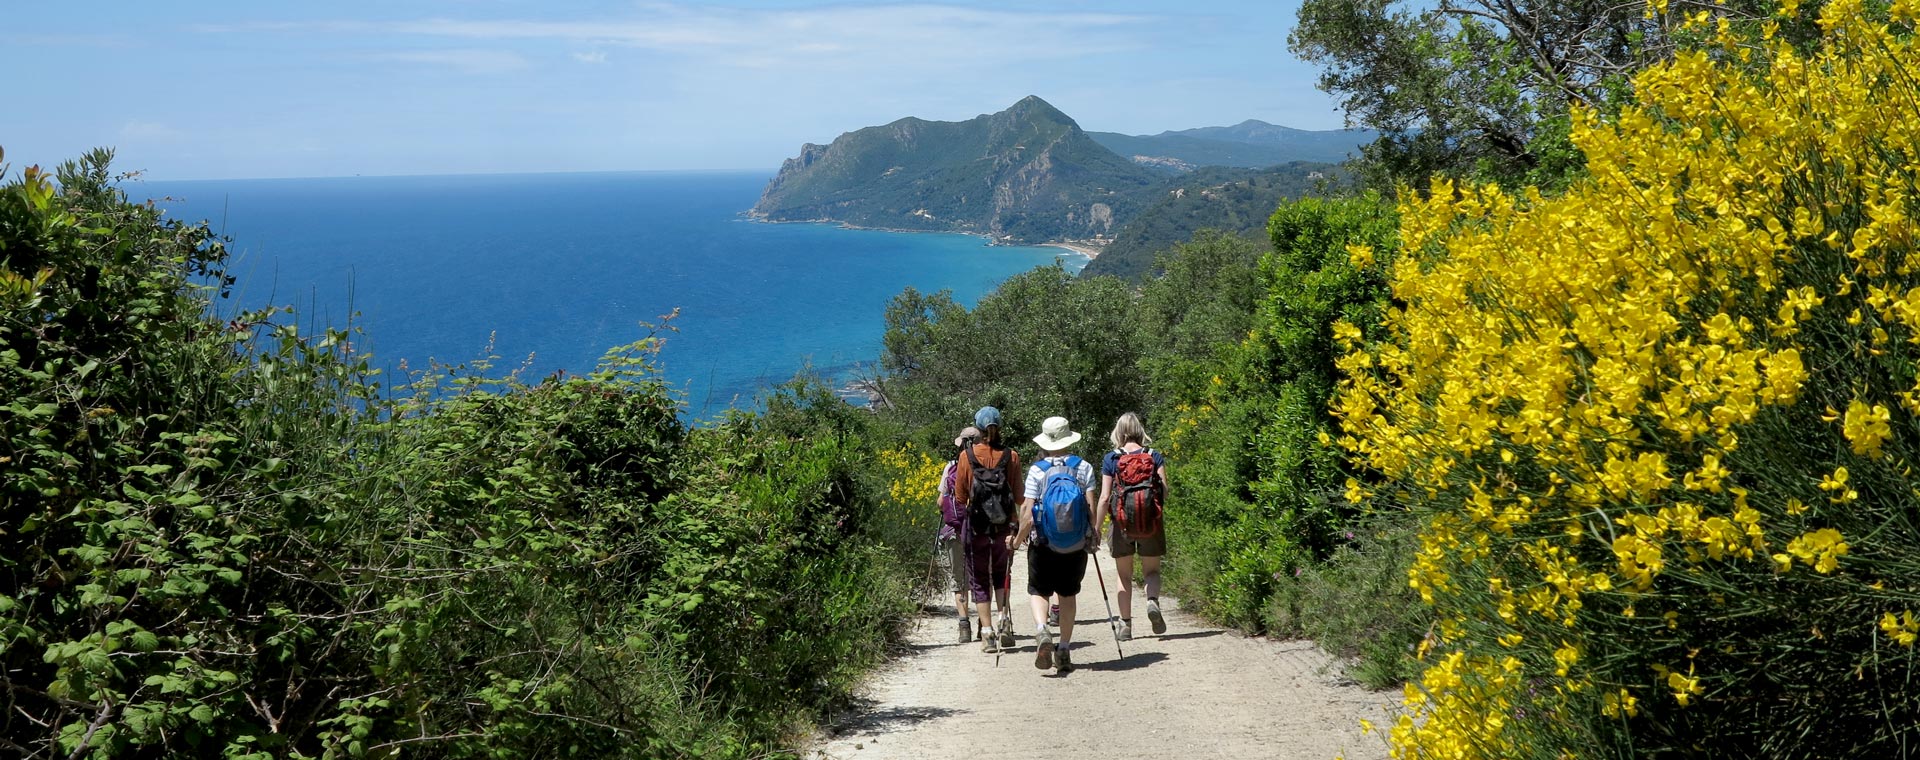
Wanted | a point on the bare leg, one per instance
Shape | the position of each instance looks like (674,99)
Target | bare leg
(1124,567)
(1067,605)
(1150,567)
(1039,606)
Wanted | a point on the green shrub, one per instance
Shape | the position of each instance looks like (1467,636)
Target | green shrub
(1259,495)
(222,537)
(1043,344)
(1357,604)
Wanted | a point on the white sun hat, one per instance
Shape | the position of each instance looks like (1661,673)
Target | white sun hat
(1055,435)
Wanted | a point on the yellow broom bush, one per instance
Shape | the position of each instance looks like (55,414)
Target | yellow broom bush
(1661,428)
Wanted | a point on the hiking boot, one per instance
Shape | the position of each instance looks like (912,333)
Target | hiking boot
(1062,661)
(1053,616)
(1126,630)
(1006,632)
(1153,616)
(988,643)
(1043,655)
(966,630)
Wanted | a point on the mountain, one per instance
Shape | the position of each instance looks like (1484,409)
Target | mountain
(1228,199)
(1026,174)
(1251,143)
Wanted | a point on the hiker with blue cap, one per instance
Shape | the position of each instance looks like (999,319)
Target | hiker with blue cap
(987,480)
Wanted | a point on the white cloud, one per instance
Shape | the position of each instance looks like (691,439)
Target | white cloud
(470,60)
(933,35)
(597,56)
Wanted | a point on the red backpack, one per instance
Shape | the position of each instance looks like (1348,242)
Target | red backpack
(1140,497)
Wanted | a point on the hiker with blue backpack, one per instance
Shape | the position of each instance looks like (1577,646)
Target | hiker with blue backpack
(985,480)
(954,539)
(1056,525)
(1133,494)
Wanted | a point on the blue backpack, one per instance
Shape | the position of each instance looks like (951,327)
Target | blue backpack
(1062,517)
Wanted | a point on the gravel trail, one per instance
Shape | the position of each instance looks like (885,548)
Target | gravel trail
(1195,692)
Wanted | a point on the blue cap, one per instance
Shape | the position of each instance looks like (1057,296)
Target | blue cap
(986,417)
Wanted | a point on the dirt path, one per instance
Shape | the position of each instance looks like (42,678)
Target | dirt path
(1195,692)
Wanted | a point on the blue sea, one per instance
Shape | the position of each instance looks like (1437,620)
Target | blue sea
(551,270)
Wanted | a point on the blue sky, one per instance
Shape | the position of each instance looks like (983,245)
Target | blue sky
(242,88)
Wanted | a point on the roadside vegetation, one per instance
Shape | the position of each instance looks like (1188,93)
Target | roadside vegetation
(222,536)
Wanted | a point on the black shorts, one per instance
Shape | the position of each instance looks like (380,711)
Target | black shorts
(1050,572)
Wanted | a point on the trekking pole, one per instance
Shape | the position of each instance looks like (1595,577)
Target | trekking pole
(1005,607)
(1113,623)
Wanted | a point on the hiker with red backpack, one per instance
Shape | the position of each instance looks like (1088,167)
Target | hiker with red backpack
(986,478)
(954,537)
(1133,494)
(1056,525)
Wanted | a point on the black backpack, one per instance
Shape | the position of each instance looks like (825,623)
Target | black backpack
(990,500)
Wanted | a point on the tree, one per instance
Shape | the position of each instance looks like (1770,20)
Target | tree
(1044,343)
(1483,86)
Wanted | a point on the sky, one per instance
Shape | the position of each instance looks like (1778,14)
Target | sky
(215,89)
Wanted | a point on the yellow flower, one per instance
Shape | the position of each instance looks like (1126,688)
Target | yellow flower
(1902,628)
(1866,427)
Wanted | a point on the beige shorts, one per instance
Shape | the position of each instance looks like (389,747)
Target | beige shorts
(953,556)
(1119,545)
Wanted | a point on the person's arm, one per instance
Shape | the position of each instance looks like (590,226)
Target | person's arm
(1164,498)
(1100,508)
(1019,537)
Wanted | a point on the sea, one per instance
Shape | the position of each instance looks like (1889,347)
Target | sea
(548,271)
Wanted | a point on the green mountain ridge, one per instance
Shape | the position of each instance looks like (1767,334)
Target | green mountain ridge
(1232,200)
(1026,174)
(1249,144)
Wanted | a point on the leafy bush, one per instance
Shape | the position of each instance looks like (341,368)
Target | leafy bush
(1659,430)
(1044,343)
(1356,603)
(221,537)
(1245,369)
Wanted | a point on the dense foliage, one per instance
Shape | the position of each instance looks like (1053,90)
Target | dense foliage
(1236,201)
(1044,343)
(1660,429)
(1267,538)
(220,537)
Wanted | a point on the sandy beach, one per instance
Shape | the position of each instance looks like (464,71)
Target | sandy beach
(1083,249)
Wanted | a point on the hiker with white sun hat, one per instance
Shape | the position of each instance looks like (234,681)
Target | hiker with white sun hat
(1056,527)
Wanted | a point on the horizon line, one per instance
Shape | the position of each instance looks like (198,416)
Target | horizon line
(140,177)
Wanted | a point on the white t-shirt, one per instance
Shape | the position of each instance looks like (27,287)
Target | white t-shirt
(1037,477)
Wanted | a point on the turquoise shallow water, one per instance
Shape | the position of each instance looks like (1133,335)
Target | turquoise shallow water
(556,268)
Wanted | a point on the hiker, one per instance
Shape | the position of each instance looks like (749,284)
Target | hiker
(1133,494)
(1056,525)
(985,480)
(951,544)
